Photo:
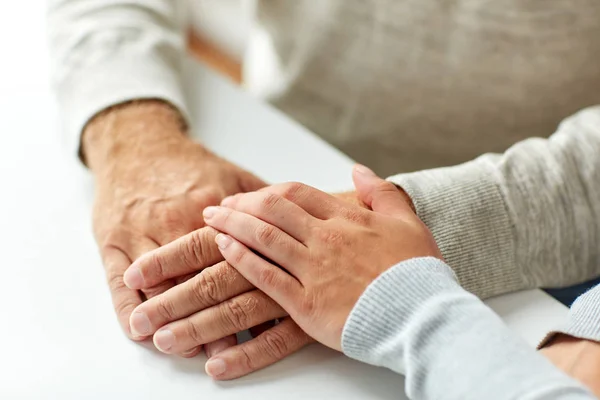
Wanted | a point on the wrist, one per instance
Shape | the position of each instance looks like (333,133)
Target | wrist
(135,130)
(578,358)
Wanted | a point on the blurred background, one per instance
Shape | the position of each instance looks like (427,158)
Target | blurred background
(220,43)
(23,46)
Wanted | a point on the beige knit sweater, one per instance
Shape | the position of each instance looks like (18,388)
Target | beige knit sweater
(400,85)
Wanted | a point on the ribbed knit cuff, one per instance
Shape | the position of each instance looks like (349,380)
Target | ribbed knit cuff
(584,319)
(115,81)
(465,211)
(388,304)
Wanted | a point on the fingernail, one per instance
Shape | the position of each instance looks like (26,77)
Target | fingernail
(164,340)
(227,201)
(140,324)
(222,241)
(361,169)
(133,278)
(215,367)
(209,212)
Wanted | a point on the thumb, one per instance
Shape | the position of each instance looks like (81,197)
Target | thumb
(381,196)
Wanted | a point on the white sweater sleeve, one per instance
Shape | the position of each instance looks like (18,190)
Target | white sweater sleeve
(106,52)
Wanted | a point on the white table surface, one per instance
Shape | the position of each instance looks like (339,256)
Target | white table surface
(59,337)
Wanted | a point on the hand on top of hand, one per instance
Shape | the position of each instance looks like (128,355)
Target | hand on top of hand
(213,304)
(151,184)
(319,253)
(219,300)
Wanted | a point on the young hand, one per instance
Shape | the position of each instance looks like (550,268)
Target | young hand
(318,254)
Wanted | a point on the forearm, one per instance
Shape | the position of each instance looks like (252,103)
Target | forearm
(108,53)
(416,320)
(524,219)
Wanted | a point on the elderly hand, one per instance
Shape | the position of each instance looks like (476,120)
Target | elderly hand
(152,182)
(213,304)
(319,253)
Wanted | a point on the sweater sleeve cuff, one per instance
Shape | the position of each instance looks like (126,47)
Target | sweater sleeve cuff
(118,80)
(584,319)
(365,337)
(466,213)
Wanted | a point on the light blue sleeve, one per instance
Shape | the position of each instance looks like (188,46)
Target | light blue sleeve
(416,320)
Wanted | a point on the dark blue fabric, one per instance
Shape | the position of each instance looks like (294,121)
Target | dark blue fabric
(568,295)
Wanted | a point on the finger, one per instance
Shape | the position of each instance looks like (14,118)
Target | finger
(193,352)
(213,348)
(315,202)
(259,329)
(136,247)
(276,283)
(190,253)
(231,316)
(275,210)
(271,346)
(184,278)
(265,238)
(124,300)
(158,289)
(209,288)
(382,196)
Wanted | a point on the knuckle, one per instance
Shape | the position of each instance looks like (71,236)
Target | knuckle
(205,288)
(157,264)
(115,280)
(266,234)
(236,314)
(238,256)
(124,308)
(329,236)
(113,258)
(165,308)
(358,216)
(195,247)
(293,190)
(308,305)
(194,332)
(268,202)
(267,278)
(110,239)
(246,360)
(276,345)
